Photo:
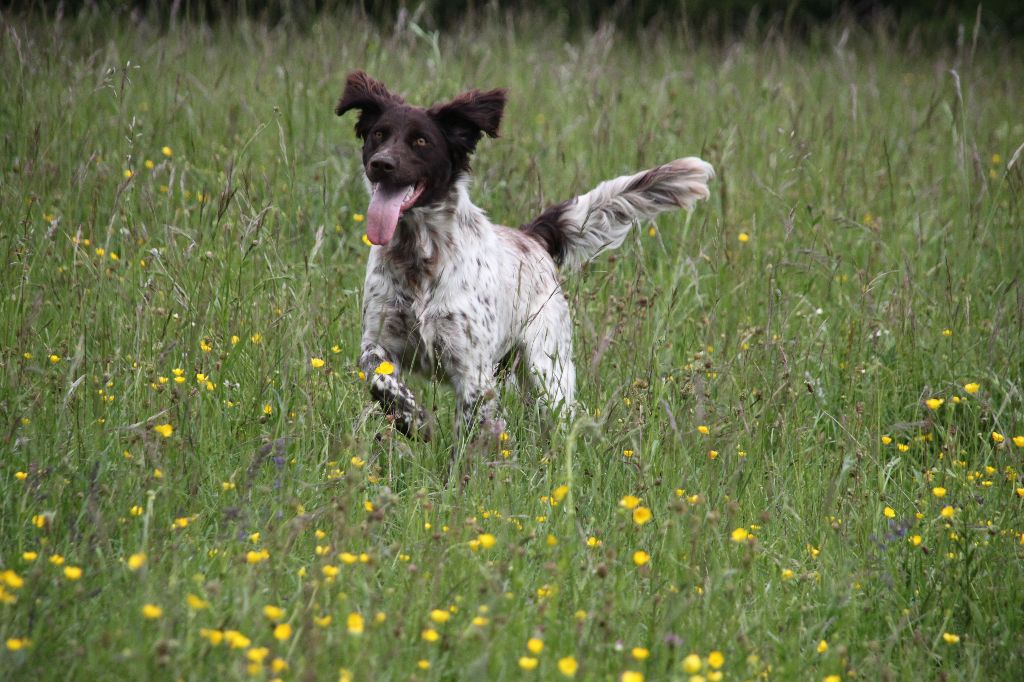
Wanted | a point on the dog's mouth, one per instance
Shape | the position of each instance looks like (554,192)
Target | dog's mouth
(387,204)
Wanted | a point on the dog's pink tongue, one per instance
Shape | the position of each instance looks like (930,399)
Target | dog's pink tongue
(383,214)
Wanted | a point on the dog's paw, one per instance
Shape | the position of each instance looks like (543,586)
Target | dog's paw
(400,405)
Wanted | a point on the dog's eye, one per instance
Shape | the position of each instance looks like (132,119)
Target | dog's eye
(419,142)
(378,135)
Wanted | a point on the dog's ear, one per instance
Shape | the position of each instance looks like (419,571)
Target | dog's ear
(367,95)
(469,116)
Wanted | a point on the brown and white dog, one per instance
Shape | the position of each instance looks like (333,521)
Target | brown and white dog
(452,294)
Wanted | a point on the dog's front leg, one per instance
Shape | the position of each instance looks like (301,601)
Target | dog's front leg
(396,399)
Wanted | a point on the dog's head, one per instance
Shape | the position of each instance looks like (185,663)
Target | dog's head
(412,156)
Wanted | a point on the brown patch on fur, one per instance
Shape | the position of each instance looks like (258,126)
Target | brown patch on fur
(548,230)
(370,96)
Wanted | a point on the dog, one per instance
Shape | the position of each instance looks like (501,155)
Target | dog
(448,292)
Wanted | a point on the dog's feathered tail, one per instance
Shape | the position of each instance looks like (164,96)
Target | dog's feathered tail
(576,231)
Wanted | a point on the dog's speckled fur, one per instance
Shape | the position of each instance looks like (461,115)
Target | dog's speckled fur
(451,293)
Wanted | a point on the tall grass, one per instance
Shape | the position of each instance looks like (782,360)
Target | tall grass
(862,254)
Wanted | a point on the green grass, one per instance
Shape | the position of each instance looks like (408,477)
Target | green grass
(880,211)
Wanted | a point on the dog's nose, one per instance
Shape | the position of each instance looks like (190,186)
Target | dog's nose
(382,165)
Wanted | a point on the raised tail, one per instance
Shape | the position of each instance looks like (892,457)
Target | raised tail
(577,230)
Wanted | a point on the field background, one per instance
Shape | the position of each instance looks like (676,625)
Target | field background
(180,200)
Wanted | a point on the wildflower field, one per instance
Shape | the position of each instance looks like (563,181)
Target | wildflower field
(799,449)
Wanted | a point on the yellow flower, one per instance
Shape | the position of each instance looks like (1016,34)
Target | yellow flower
(354,623)
(915,540)
(743,237)
(348,558)
(947,512)
(481,621)
(316,363)
(128,173)
(151,611)
(939,491)
(12,579)
(18,643)
(358,217)
(641,515)
(423,664)
(631,676)
(950,638)
(256,338)
(640,653)
(214,637)
(430,635)
(282,632)
(385,368)
(832,678)
(272,612)
(205,346)
(236,640)
(257,654)
(535,645)
(440,616)
(787,574)
(972,388)
(559,493)
(29,556)
(641,557)
(997,437)
(740,535)
(164,430)
(256,557)
(716,659)
(886,440)
(902,447)
(822,646)
(196,603)
(323,621)
(72,572)
(934,403)
(568,666)
(947,332)
(703,429)
(629,502)
(136,561)
(692,664)
(330,572)
(889,512)
(54,359)
(57,560)
(527,662)
(20,475)
(486,540)
(279,665)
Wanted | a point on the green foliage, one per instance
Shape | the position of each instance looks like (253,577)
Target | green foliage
(861,255)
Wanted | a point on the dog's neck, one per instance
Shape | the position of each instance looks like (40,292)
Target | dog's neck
(434,234)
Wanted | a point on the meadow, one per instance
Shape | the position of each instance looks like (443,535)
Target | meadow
(799,449)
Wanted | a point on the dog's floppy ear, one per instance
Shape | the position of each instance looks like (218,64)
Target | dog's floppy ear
(367,95)
(469,116)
